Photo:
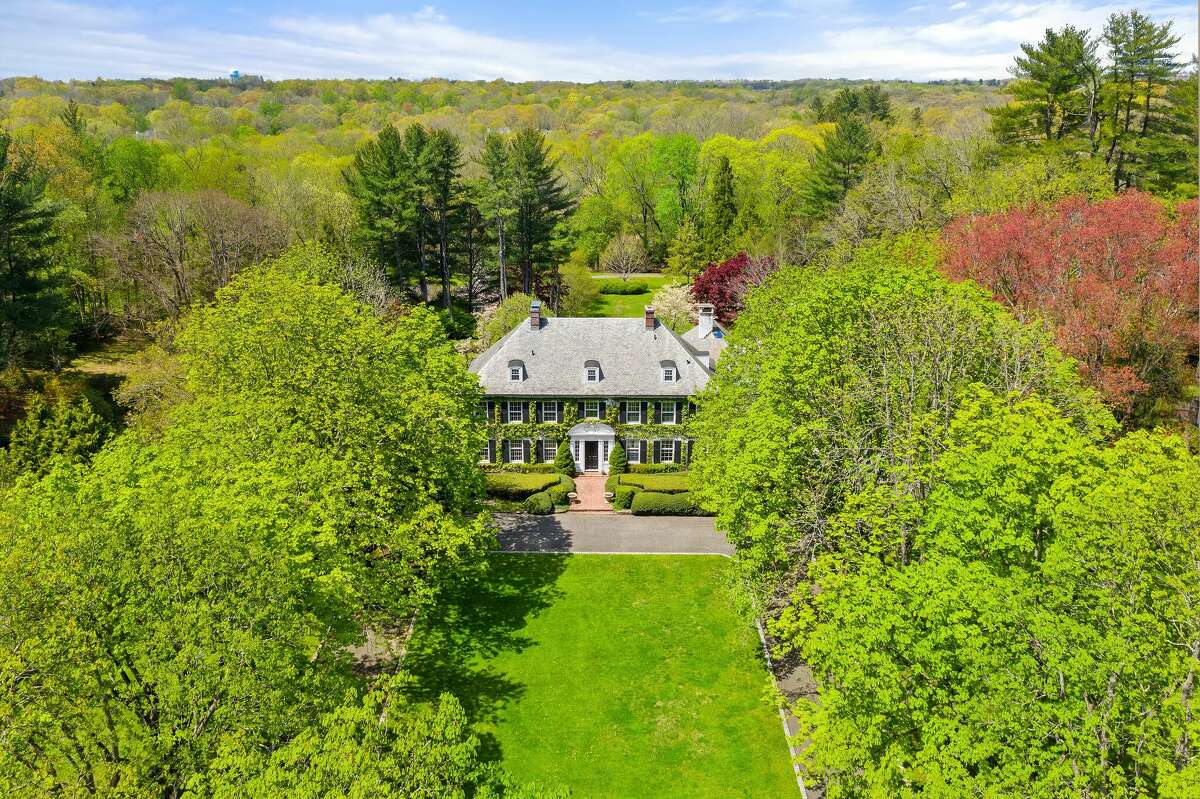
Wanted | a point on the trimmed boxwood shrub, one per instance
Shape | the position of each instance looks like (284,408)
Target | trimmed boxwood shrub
(624,287)
(653,503)
(514,485)
(610,485)
(558,493)
(617,462)
(564,462)
(674,483)
(623,498)
(539,503)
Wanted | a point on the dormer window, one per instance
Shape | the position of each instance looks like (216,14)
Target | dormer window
(516,371)
(670,373)
(591,371)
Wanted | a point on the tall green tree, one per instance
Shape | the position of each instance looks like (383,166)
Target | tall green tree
(837,166)
(541,203)
(442,161)
(416,142)
(720,212)
(207,584)
(498,200)
(380,181)
(1056,92)
(1142,53)
(34,322)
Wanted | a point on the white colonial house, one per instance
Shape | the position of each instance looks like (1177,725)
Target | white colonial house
(591,381)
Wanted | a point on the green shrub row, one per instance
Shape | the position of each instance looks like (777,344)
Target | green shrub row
(673,483)
(521,468)
(543,502)
(654,503)
(539,504)
(624,287)
(623,497)
(656,468)
(517,485)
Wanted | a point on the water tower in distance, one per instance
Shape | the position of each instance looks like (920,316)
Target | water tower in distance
(234,76)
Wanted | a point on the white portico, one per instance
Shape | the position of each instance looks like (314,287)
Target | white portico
(591,443)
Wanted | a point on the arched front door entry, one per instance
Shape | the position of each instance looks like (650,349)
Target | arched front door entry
(591,444)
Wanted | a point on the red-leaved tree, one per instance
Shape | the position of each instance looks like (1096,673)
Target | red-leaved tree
(1116,278)
(725,284)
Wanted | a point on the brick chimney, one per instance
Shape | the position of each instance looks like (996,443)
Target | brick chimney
(535,315)
(649,317)
(705,311)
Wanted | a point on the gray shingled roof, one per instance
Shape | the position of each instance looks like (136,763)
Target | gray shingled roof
(630,358)
(713,343)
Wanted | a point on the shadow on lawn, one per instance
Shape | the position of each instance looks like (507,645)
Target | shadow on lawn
(474,621)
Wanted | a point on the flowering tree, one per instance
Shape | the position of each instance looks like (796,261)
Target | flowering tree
(674,306)
(725,284)
(1117,279)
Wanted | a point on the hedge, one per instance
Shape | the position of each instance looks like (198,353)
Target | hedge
(657,468)
(653,503)
(613,286)
(623,497)
(674,483)
(516,485)
(520,468)
(540,503)
(558,493)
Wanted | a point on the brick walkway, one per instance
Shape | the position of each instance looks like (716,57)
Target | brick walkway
(590,488)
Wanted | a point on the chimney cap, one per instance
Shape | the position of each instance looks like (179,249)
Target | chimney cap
(706,307)
(650,322)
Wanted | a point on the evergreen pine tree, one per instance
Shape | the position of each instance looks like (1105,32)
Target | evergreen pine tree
(617,462)
(442,159)
(837,166)
(379,182)
(497,199)
(33,301)
(720,213)
(541,202)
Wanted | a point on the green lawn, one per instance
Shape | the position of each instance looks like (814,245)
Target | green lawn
(626,304)
(615,675)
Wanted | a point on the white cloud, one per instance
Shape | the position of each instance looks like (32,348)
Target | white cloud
(59,39)
(959,6)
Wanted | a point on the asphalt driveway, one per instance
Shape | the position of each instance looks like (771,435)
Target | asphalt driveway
(610,532)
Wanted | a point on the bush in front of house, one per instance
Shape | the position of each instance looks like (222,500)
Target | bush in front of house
(624,287)
(522,468)
(668,483)
(518,485)
(564,462)
(656,468)
(623,497)
(539,504)
(653,503)
(558,493)
(617,462)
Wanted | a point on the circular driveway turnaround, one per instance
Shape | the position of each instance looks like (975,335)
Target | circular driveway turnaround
(610,533)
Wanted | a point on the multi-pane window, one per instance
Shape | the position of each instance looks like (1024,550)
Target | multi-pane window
(668,373)
(667,413)
(633,450)
(549,450)
(633,413)
(514,374)
(604,452)
(549,411)
(576,448)
(666,452)
(516,452)
(591,409)
(592,374)
(485,454)
(516,411)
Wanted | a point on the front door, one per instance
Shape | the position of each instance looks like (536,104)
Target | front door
(591,456)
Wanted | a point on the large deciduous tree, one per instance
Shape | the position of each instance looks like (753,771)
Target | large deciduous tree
(832,378)
(1026,625)
(726,284)
(204,583)
(1116,278)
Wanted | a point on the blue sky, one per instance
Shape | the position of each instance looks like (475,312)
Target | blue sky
(537,39)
